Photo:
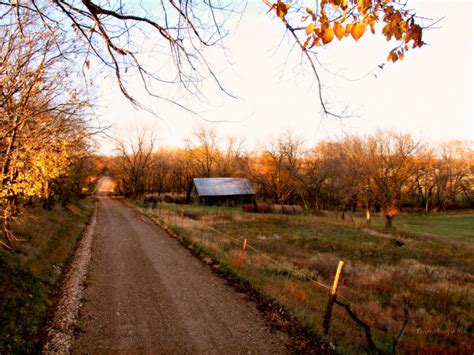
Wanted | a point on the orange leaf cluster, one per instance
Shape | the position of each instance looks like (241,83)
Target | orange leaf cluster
(281,8)
(341,18)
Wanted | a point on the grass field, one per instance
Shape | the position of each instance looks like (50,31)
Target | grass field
(30,274)
(389,279)
(456,227)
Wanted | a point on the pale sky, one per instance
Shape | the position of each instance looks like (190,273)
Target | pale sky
(429,94)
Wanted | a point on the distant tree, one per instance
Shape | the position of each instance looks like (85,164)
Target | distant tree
(390,165)
(452,173)
(343,171)
(157,179)
(229,160)
(424,182)
(276,170)
(182,173)
(134,156)
(203,151)
(313,179)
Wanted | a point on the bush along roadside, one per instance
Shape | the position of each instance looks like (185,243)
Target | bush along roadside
(31,273)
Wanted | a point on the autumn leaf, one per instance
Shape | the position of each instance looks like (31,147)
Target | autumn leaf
(315,42)
(392,57)
(330,18)
(364,5)
(372,24)
(336,3)
(338,30)
(358,30)
(310,11)
(282,9)
(327,35)
(348,29)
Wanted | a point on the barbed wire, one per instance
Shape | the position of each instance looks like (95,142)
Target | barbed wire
(290,270)
(293,270)
(327,288)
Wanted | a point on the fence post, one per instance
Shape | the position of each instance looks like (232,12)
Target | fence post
(332,297)
(242,254)
(182,220)
(202,231)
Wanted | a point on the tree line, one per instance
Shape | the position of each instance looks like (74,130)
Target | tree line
(384,172)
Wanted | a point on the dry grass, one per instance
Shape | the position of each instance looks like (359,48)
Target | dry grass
(385,275)
(31,273)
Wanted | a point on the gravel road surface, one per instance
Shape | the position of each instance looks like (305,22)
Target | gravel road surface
(146,293)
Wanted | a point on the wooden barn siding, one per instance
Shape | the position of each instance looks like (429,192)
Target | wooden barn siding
(236,200)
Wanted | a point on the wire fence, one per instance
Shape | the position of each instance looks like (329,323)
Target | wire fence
(201,232)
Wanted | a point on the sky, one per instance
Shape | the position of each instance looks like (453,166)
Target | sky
(428,94)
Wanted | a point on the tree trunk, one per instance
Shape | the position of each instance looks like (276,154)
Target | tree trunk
(368,215)
(8,153)
(388,222)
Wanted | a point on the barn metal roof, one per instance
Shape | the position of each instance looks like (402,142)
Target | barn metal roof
(226,186)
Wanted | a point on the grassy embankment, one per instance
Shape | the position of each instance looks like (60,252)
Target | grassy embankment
(385,274)
(30,274)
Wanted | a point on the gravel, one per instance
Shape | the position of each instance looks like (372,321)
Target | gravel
(60,333)
(145,293)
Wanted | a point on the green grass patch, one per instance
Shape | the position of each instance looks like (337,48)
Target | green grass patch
(456,227)
(31,273)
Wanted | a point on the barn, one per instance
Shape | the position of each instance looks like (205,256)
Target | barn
(226,191)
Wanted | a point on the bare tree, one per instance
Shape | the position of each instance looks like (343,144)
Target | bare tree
(203,151)
(276,170)
(390,166)
(451,173)
(134,156)
(110,34)
(228,163)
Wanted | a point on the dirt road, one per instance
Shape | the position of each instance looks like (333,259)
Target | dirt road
(147,294)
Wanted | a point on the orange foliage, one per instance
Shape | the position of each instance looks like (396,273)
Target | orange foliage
(341,18)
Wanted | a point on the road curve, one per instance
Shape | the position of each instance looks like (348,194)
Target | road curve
(147,294)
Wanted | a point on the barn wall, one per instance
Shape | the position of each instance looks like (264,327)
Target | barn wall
(237,200)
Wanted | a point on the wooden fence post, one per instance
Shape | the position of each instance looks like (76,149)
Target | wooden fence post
(332,297)
(202,231)
(182,220)
(242,254)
